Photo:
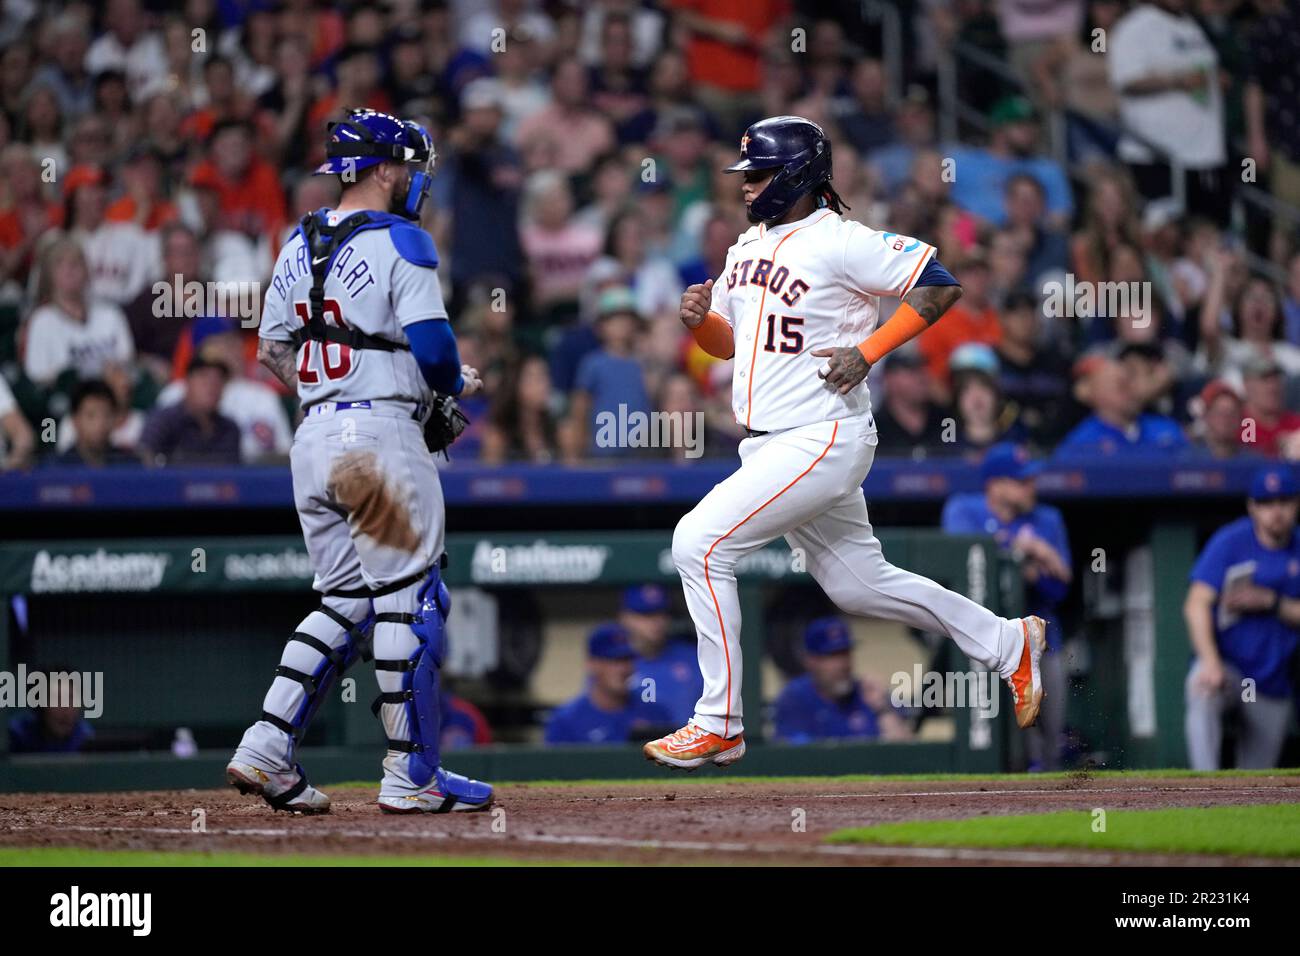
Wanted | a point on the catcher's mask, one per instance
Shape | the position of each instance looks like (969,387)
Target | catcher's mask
(369,137)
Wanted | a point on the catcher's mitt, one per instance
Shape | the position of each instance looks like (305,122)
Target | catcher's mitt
(445,424)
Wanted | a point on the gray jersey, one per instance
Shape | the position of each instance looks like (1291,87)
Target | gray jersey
(379,284)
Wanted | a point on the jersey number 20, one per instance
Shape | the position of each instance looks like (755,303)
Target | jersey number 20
(336,357)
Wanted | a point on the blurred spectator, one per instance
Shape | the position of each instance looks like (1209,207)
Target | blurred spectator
(914,126)
(723,53)
(1071,74)
(626,262)
(1117,424)
(463,725)
(69,331)
(144,201)
(559,249)
(522,425)
(609,711)
(982,415)
(121,256)
(193,431)
(1242,612)
(982,174)
(50,729)
(666,664)
(249,199)
(908,423)
(256,408)
(828,702)
(17,442)
(155,335)
(1166,73)
(864,117)
(1008,509)
(25,212)
(972,319)
(1032,29)
(568,135)
(94,414)
(618,86)
(1257,325)
(1219,421)
(1046,250)
(125,424)
(1032,372)
(1268,424)
(480,26)
(1272,124)
(611,380)
(65,72)
(516,86)
(480,188)
(128,45)
(646,27)
(1110,221)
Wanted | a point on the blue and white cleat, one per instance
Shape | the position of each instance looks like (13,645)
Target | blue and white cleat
(448,793)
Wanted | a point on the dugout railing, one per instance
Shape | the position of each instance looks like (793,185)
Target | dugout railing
(167,622)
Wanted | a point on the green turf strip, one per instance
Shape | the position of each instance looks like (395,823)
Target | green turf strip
(717,777)
(75,856)
(1267,830)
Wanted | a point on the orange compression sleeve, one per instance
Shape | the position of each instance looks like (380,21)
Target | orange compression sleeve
(903,326)
(714,335)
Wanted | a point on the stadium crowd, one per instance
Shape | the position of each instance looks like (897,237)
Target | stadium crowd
(156,155)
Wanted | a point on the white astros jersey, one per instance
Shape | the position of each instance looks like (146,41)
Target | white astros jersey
(790,289)
(379,283)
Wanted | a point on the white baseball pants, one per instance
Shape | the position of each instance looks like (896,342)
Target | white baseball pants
(806,484)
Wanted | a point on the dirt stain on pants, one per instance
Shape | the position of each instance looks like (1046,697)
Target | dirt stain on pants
(374,510)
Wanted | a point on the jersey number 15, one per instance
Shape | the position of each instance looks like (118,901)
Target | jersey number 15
(336,357)
(791,334)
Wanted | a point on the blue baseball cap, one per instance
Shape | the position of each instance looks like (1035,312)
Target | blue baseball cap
(827,635)
(1008,460)
(646,599)
(1274,481)
(609,642)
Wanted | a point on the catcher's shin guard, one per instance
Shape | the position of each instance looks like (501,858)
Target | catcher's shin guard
(409,649)
(326,644)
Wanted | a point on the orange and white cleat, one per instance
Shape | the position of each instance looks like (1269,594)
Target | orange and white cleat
(693,747)
(1027,682)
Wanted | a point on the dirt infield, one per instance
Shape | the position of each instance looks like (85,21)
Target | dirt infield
(717,821)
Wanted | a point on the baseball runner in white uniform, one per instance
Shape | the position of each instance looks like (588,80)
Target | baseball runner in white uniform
(354,320)
(797,306)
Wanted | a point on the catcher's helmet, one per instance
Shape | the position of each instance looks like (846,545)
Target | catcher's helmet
(369,137)
(796,145)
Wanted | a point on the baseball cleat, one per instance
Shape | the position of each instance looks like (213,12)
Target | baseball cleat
(288,790)
(1027,682)
(449,793)
(692,747)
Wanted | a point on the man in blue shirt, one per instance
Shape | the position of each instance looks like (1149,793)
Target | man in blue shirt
(1008,509)
(1243,612)
(610,386)
(1117,425)
(608,711)
(667,669)
(828,702)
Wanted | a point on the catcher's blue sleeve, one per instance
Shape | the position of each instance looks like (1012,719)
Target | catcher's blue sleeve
(434,346)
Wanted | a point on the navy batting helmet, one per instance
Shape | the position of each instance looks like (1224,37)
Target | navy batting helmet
(368,137)
(799,149)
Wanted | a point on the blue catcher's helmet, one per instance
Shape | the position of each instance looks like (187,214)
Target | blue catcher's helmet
(367,138)
(798,148)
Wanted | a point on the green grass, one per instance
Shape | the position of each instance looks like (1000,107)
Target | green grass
(75,856)
(719,778)
(1268,830)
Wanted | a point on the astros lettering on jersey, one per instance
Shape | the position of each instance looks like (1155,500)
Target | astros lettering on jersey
(792,288)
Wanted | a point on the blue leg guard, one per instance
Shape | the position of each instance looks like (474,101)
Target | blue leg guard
(412,715)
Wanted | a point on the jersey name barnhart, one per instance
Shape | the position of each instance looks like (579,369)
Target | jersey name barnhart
(759,272)
(356,275)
